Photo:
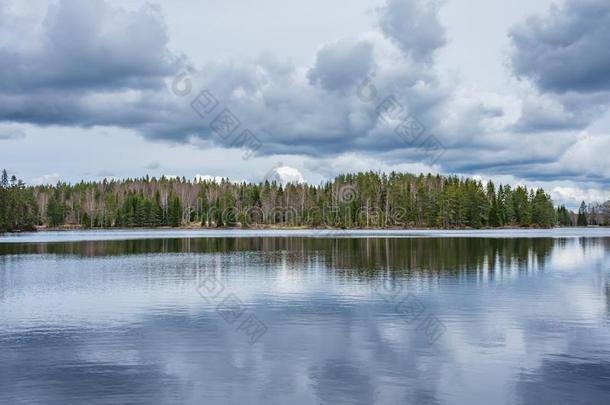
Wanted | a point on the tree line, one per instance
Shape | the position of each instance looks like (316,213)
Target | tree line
(18,207)
(360,200)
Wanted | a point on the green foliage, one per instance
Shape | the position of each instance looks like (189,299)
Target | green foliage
(175,211)
(563,216)
(582,215)
(18,208)
(56,211)
(360,200)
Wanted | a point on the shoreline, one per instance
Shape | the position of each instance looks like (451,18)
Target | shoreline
(117,234)
(45,229)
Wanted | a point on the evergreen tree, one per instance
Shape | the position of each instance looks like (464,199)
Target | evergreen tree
(563,216)
(372,200)
(521,206)
(582,215)
(56,211)
(175,211)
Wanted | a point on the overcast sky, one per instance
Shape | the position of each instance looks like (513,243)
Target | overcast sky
(517,92)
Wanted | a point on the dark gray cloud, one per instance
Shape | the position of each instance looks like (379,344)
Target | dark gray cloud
(554,112)
(414,25)
(566,50)
(86,46)
(565,55)
(89,64)
(341,65)
(104,79)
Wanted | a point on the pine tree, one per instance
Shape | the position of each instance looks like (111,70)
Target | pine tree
(175,211)
(379,200)
(493,214)
(582,215)
(56,211)
(563,216)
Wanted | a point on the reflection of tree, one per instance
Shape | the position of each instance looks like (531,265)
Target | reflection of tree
(607,294)
(590,243)
(434,255)
(355,256)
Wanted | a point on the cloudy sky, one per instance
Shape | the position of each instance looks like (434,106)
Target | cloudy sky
(513,91)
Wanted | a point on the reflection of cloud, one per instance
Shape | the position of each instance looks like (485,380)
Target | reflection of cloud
(338,382)
(567,260)
(92,367)
(330,339)
(563,379)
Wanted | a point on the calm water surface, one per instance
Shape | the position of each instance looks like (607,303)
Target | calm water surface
(186,317)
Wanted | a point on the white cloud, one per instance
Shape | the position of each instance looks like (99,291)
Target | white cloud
(311,112)
(207,178)
(154,165)
(9,133)
(284,175)
(46,179)
(572,196)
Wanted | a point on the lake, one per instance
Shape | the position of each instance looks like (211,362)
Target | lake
(305,317)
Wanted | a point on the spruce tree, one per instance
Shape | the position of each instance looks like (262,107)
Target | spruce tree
(582,215)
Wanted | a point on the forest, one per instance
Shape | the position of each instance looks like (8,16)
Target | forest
(360,200)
